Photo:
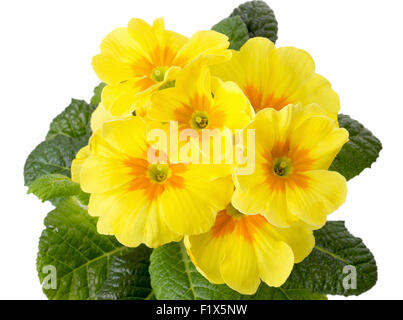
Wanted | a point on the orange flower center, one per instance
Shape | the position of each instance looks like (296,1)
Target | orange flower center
(154,179)
(286,165)
(231,220)
(261,100)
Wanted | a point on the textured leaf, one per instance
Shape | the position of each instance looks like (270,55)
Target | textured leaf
(89,265)
(322,271)
(53,186)
(359,153)
(259,19)
(235,29)
(173,276)
(73,122)
(96,98)
(68,133)
(52,156)
(128,277)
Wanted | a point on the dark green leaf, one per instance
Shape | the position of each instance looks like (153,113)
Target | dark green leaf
(73,122)
(259,19)
(68,133)
(52,156)
(53,186)
(128,276)
(173,276)
(359,153)
(322,271)
(96,98)
(235,29)
(89,265)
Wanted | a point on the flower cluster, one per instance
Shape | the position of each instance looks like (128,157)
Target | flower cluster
(239,226)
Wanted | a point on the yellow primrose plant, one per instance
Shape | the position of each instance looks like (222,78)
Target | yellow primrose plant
(203,167)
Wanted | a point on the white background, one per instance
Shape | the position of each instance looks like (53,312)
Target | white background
(45,59)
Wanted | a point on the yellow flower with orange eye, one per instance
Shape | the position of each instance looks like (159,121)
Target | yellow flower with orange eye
(140,201)
(138,60)
(274,77)
(199,101)
(241,250)
(206,109)
(294,149)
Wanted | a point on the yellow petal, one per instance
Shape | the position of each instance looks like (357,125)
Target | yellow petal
(100,116)
(232,70)
(290,68)
(185,212)
(299,237)
(254,56)
(207,254)
(210,43)
(128,136)
(230,101)
(240,266)
(321,137)
(144,35)
(262,200)
(100,174)
(122,98)
(118,55)
(274,258)
(325,192)
(78,162)
(195,80)
(317,89)
(192,210)
(131,217)
(165,105)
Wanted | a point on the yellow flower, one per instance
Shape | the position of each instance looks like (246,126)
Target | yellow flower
(143,202)
(294,149)
(240,250)
(275,77)
(199,101)
(212,109)
(137,60)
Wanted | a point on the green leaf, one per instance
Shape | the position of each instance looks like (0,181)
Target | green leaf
(322,271)
(73,122)
(88,265)
(359,153)
(52,156)
(173,276)
(69,132)
(96,98)
(53,186)
(128,277)
(235,29)
(259,19)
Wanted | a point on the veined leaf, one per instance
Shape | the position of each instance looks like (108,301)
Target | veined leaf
(53,186)
(340,264)
(96,98)
(52,156)
(73,122)
(259,19)
(359,153)
(69,132)
(235,29)
(88,265)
